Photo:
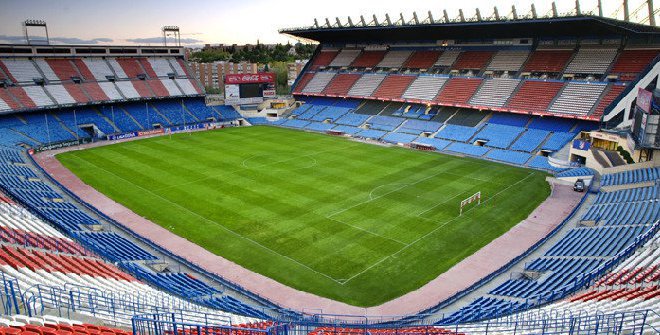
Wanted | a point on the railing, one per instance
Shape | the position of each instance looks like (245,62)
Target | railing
(182,322)
(11,297)
(114,307)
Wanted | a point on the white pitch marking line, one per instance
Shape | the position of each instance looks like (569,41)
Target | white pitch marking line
(432,231)
(218,224)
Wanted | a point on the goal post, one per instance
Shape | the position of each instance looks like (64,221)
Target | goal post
(475,197)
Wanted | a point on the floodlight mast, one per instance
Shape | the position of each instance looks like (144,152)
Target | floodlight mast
(175,31)
(34,23)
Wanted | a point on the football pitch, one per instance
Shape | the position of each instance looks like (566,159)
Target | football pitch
(354,222)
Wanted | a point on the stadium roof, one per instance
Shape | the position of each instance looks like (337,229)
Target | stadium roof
(574,26)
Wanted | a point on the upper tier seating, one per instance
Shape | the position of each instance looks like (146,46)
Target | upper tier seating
(612,93)
(548,61)
(458,90)
(368,59)
(366,85)
(110,90)
(78,92)
(473,60)
(508,60)
(425,88)
(447,58)
(22,70)
(161,66)
(577,98)
(131,67)
(323,58)
(535,95)
(393,86)
(98,67)
(591,61)
(38,95)
(117,69)
(422,59)
(318,82)
(494,92)
(345,57)
(60,94)
(63,68)
(394,59)
(45,69)
(341,83)
(632,62)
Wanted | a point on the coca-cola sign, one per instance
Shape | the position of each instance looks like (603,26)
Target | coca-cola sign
(255,78)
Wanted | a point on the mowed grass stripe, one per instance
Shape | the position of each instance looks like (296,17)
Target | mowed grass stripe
(261,197)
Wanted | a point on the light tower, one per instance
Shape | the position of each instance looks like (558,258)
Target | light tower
(174,30)
(29,23)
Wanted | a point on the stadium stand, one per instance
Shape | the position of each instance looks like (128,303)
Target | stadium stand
(366,85)
(591,61)
(472,60)
(447,58)
(318,82)
(611,94)
(424,88)
(345,57)
(458,91)
(341,84)
(535,95)
(324,58)
(508,60)
(631,62)
(392,87)
(368,59)
(394,59)
(494,92)
(422,59)
(577,98)
(548,61)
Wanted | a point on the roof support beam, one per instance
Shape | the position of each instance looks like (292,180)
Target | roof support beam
(513,11)
(651,12)
(444,11)
(461,16)
(533,11)
(496,13)
(626,11)
(577,7)
(554,10)
(478,14)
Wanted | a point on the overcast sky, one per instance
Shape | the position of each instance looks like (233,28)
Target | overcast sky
(229,21)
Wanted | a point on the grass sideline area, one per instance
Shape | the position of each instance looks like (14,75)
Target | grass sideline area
(350,221)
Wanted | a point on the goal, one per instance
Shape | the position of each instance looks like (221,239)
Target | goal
(475,197)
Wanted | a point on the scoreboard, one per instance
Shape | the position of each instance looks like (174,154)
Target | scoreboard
(245,89)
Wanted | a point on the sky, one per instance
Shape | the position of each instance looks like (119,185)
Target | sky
(127,22)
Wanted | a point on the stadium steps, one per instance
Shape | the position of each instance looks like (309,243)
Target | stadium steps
(114,126)
(41,73)
(82,89)
(161,114)
(614,158)
(191,114)
(568,62)
(14,98)
(71,131)
(601,97)
(117,87)
(598,156)
(121,109)
(25,135)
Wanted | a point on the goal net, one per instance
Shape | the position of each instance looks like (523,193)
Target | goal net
(475,197)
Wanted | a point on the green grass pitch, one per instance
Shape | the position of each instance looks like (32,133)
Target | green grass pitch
(354,222)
